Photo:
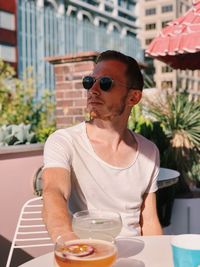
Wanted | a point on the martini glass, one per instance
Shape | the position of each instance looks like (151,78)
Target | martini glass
(88,223)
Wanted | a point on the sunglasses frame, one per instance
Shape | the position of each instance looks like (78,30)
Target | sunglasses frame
(93,80)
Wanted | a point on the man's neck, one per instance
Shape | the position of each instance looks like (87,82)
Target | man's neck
(115,145)
(107,132)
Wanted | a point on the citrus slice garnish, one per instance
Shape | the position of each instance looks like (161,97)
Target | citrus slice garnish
(78,250)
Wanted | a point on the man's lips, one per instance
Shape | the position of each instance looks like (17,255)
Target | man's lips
(94,101)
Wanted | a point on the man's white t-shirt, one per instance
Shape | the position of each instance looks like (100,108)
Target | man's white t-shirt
(96,184)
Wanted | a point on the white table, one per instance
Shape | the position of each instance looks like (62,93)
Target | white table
(143,251)
(167,177)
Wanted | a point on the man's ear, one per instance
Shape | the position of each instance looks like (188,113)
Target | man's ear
(134,97)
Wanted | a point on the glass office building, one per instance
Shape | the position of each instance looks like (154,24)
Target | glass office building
(49,28)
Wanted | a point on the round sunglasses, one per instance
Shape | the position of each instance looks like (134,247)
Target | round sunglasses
(105,82)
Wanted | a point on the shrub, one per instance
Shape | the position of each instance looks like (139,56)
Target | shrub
(16,135)
(179,117)
(19,105)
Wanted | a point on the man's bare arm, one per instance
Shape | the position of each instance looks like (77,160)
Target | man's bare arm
(149,221)
(56,191)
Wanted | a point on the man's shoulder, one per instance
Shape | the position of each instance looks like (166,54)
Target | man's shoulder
(145,143)
(75,129)
(67,134)
(147,149)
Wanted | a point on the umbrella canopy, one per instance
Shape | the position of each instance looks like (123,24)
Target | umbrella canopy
(178,44)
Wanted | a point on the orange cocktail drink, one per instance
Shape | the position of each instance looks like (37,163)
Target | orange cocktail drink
(85,253)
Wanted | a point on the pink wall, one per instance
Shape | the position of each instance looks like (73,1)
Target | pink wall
(16,173)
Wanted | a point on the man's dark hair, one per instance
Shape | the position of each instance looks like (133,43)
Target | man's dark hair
(133,73)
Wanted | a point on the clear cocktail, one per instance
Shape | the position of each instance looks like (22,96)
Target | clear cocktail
(85,253)
(87,222)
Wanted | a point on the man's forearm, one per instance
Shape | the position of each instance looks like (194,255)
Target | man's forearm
(149,221)
(56,215)
(153,228)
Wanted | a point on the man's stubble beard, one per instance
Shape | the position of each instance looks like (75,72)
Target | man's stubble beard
(96,114)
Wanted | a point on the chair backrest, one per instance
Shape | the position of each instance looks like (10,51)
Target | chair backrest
(37,182)
(30,230)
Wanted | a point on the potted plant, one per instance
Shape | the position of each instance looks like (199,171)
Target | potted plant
(179,117)
(172,121)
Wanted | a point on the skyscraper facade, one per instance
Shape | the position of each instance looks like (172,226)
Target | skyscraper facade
(154,15)
(58,27)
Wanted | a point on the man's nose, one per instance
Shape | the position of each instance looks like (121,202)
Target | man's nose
(95,89)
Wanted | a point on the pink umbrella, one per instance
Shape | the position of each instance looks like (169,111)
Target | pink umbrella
(178,44)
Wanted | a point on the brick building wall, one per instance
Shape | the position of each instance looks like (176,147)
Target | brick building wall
(70,94)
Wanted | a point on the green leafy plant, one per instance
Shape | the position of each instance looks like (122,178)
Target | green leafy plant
(43,133)
(18,104)
(194,173)
(139,123)
(179,117)
(172,122)
(16,135)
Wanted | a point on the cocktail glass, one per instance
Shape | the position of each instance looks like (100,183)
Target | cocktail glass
(90,223)
(84,252)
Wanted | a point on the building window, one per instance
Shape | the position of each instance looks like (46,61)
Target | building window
(7,21)
(130,6)
(166,69)
(7,53)
(108,9)
(183,8)
(132,34)
(166,84)
(115,29)
(148,41)
(122,3)
(168,8)
(125,16)
(50,5)
(150,11)
(73,14)
(164,23)
(86,18)
(92,2)
(150,26)
(103,24)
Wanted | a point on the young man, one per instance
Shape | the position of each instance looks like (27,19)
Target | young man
(101,164)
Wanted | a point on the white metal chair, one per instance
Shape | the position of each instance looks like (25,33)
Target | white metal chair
(30,230)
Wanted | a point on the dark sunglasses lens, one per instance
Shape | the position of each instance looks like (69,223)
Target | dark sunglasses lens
(105,83)
(88,82)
